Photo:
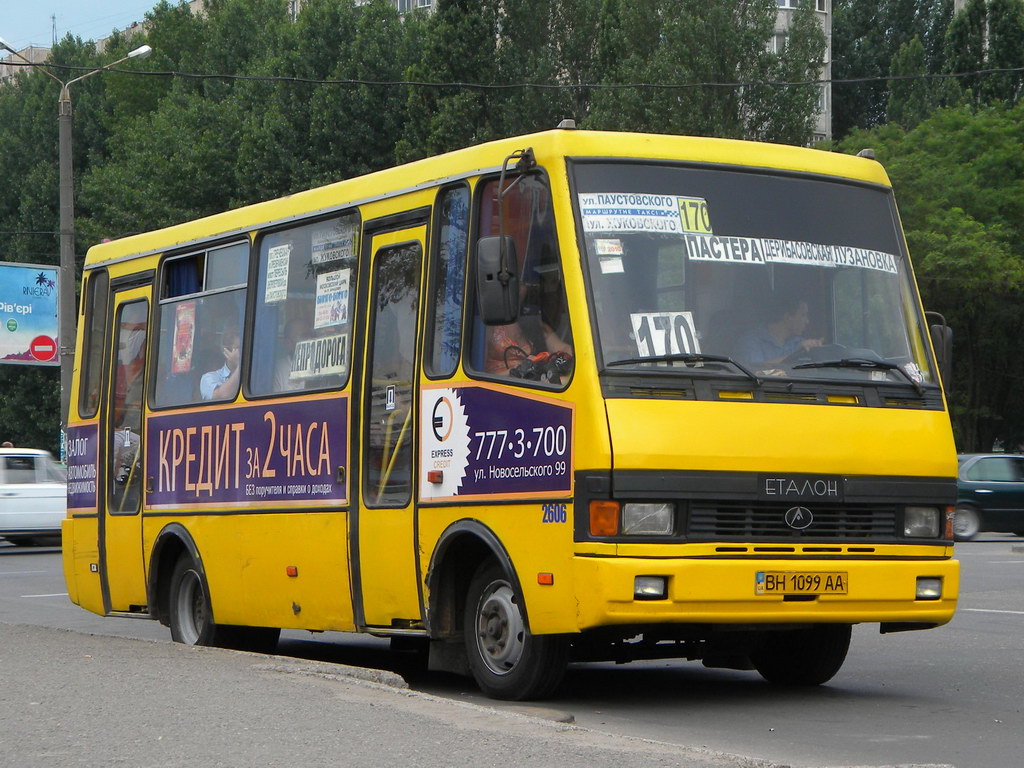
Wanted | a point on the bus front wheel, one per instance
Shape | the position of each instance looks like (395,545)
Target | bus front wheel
(809,656)
(507,661)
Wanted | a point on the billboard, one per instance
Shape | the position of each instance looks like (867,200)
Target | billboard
(28,314)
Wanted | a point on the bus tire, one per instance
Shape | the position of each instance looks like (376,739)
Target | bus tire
(809,656)
(189,608)
(506,660)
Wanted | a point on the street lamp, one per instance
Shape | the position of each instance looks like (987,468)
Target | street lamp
(67,314)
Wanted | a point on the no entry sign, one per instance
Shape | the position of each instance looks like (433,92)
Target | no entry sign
(43,349)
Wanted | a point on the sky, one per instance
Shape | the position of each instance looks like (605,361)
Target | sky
(28,22)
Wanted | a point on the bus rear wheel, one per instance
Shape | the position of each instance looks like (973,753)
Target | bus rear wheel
(507,661)
(809,656)
(191,616)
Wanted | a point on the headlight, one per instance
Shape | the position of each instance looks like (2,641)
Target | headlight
(921,522)
(648,519)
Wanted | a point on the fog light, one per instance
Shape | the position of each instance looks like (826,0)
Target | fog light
(650,587)
(648,519)
(921,522)
(929,588)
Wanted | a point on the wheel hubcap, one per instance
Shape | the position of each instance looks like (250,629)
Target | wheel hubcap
(964,523)
(500,629)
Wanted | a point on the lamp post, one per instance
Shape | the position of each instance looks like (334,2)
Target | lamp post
(67,312)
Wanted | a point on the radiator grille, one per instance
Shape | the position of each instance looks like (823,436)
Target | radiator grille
(738,521)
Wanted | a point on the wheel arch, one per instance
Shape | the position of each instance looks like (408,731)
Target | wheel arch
(171,543)
(460,550)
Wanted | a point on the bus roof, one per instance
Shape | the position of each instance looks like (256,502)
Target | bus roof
(484,158)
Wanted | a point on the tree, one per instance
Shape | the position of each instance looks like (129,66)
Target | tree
(1005,50)
(867,36)
(913,99)
(460,46)
(959,179)
(694,42)
(965,46)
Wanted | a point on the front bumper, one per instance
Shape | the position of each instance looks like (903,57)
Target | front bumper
(723,591)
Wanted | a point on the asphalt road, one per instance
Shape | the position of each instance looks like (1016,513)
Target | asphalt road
(949,696)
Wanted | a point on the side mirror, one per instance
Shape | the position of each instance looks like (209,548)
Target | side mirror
(497,285)
(942,341)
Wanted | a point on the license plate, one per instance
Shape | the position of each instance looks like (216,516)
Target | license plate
(801,582)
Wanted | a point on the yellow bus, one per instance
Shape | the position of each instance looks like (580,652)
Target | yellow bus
(562,397)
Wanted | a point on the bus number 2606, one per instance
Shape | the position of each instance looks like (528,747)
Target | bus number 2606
(553,513)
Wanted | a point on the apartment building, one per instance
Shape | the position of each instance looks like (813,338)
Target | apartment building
(783,20)
(13,65)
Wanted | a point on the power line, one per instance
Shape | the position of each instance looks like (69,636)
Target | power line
(539,86)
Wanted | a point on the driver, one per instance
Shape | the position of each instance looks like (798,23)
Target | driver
(509,346)
(780,337)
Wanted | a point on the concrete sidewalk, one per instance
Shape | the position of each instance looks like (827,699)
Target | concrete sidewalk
(71,699)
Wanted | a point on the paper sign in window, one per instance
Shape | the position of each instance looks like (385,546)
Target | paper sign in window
(664,333)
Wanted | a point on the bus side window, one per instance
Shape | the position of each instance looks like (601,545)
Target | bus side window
(305,288)
(538,346)
(448,276)
(202,303)
(96,308)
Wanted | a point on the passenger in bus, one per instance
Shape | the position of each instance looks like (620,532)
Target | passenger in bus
(222,383)
(781,337)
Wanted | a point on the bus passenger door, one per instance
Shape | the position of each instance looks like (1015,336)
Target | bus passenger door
(386,562)
(122,574)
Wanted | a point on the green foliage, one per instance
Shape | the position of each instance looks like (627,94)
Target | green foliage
(959,179)
(29,407)
(1005,50)
(914,99)
(872,39)
(867,37)
(459,46)
(706,41)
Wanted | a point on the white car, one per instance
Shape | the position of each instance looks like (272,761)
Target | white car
(33,496)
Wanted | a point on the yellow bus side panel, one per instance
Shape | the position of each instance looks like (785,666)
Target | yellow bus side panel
(534,547)
(126,574)
(80,539)
(389,583)
(723,591)
(246,560)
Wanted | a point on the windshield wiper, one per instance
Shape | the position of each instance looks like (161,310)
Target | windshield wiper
(865,362)
(688,357)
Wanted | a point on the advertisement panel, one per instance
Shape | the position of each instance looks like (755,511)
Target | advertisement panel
(28,314)
(480,442)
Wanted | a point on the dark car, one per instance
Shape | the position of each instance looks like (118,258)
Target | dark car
(990,494)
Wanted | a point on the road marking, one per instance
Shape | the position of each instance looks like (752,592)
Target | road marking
(54,594)
(992,610)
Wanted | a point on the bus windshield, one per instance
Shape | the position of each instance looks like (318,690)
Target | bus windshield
(751,273)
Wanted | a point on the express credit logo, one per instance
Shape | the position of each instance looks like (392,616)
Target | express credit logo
(441,419)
